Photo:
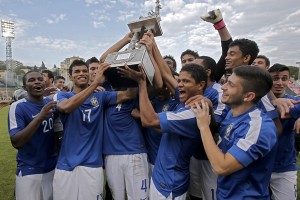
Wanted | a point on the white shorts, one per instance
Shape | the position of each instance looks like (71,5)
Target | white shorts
(83,183)
(151,167)
(203,181)
(35,186)
(156,195)
(284,185)
(128,172)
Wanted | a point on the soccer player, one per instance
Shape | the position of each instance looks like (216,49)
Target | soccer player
(30,123)
(170,177)
(284,175)
(79,166)
(246,151)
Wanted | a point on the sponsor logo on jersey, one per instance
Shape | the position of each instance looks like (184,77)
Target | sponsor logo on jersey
(94,102)
(228,130)
(33,116)
(166,108)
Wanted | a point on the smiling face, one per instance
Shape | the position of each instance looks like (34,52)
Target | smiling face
(233,94)
(34,85)
(80,76)
(235,57)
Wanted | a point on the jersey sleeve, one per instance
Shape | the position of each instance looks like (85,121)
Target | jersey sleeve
(109,97)
(182,123)
(60,96)
(265,105)
(16,121)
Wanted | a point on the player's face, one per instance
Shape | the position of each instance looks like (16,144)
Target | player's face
(235,57)
(60,83)
(93,67)
(170,63)
(80,76)
(187,86)
(35,85)
(47,80)
(186,59)
(260,62)
(280,82)
(233,91)
(163,94)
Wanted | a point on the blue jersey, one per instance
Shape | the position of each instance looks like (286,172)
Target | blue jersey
(152,137)
(286,153)
(178,143)
(214,93)
(38,155)
(250,138)
(122,133)
(83,131)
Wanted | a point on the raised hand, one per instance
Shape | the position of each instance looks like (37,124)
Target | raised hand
(138,76)
(202,114)
(48,109)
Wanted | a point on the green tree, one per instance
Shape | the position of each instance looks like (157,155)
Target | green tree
(43,67)
(294,72)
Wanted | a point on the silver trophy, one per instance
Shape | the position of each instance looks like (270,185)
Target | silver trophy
(136,54)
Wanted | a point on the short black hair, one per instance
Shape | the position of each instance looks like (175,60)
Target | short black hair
(279,68)
(92,60)
(209,63)
(255,79)
(24,79)
(267,60)
(77,63)
(196,71)
(247,47)
(50,73)
(191,52)
(59,77)
(173,59)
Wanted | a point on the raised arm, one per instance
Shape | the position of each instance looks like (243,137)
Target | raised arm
(68,105)
(165,71)
(116,47)
(157,79)
(215,17)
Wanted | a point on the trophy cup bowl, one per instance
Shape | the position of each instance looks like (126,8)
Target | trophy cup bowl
(135,55)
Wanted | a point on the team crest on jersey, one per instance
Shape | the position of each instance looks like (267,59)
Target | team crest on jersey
(166,108)
(228,130)
(94,102)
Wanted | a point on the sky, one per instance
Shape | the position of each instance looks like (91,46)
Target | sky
(52,30)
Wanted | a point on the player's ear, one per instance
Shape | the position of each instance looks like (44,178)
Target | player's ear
(201,86)
(249,96)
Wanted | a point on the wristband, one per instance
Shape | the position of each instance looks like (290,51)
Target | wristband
(219,25)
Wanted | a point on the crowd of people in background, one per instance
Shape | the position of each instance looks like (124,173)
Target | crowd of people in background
(223,129)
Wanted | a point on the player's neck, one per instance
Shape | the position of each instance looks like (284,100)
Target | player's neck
(240,109)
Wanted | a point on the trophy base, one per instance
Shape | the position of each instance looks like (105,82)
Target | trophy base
(133,58)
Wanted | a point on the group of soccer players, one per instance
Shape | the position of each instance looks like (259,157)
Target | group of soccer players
(184,136)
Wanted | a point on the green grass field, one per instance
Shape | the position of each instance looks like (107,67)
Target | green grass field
(8,161)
